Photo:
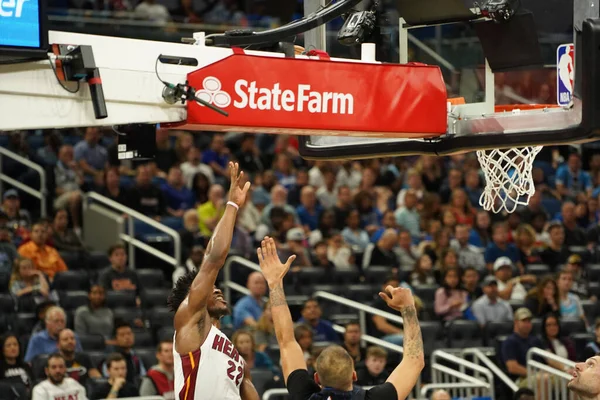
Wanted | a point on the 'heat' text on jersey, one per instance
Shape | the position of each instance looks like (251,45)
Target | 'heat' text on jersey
(223,345)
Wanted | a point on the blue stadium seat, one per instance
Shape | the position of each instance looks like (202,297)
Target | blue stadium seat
(434,336)
(463,334)
(91,342)
(154,297)
(4,138)
(72,140)
(35,142)
(494,329)
(72,299)
(160,317)
(128,314)
(376,274)
(150,278)
(569,326)
(346,275)
(362,293)
(148,356)
(143,338)
(165,333)
(173,222)
(581,340)
(121,298)
(96,357)
(260,379)
(71,280)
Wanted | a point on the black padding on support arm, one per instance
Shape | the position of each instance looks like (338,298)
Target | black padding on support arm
(590,76)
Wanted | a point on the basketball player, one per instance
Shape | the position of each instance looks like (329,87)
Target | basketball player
(586,379)
(335,373)
(207,366)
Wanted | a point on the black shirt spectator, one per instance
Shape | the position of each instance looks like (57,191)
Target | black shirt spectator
(249,156)
(117,276)
(557,252)
(112,187)
(12,367)
(102,390)
(145,197)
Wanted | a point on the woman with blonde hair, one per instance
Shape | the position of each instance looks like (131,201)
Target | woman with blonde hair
(544,298)
(29,284)
(264,332)
(525,240)
(243,341)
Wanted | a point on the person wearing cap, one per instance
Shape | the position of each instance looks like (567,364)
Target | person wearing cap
(489,307)
(515,347)
(580,279)
(19,220)
(510,288)
(295,238)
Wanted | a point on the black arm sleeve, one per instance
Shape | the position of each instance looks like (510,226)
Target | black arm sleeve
(385,391)
(301,386)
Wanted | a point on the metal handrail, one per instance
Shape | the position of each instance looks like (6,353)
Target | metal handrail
(461,374)
(560,384)
(129,237)
(373,340)
(546,354)
(459,385)
(489,364)
(358,306)
(40,194)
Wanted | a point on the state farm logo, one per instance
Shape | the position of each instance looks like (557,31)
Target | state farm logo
(301,98)
(212,93)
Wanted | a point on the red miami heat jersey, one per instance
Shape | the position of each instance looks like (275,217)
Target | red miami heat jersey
(214,371)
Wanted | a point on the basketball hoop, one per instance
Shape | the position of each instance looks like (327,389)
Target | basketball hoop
(508,172)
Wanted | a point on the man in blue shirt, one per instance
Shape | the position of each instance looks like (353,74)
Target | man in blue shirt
(515,347)
(46,341)
(309,211)
(501,248)
(322,330)
(571,179)
(178,197)
(248,309)
(90,155)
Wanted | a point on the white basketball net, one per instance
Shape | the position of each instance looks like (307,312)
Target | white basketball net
(508,176)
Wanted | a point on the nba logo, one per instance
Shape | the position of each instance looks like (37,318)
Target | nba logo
(565,61)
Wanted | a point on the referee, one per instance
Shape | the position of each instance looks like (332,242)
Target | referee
(335,373)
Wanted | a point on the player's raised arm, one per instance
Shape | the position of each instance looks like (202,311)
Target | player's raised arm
(216,253)
(405,376)
(292,357)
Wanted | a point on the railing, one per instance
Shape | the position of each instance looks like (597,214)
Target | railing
(130,238)
(547,381)
(478,381)
(40,194)
(479,357)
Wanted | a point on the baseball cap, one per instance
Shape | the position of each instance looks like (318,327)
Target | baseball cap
(574,259)
(489,280)
(295,235)
(502,262)
(10,193)
(523,313)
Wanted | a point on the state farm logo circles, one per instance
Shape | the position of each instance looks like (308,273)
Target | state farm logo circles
(212,93)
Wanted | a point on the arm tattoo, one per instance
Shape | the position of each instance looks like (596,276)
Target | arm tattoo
(413,342)
(277,296)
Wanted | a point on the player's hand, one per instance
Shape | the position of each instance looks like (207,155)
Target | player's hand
(397,298)
(272,268)
(237,194)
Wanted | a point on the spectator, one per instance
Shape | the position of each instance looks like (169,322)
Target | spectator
(326,194)
(423,272)
(160,379)
(580,278)
(278,200)
(210,212)
(151,11)
(407,216)
(190,234)
(353,234)
(46,341)
(217,157)
(339,253)
(58,385)
(574,235)
(243,341)
(183,143)
(373,373)
(570,304)
(414,185)
(134,366)
(145,197)
(79,365)
(436,248)
(544,298)
(388,221)
(49,153)
(383,253)
(461,207)
(294,190)
(468,255)
(571,179)
(68,179)
(200,187)
(194,166)
(112,187)
(431,173)
(349,175)
(29,285)
(343,206)
(510,288)
(91,157)
(12,367)
(525,240)
(248,309)
(454,181)
(325,228)
(480,236)
(118,385)
(557,252)
(501,248)
(533,209)
(177,196)
(44,257)
(489,307)
(351,342)
(165,157)
(95,317)
(554,341)
(248,155)
(470,283)
(191,264)
(450,299)
(515,347)
(370,216)
(8,253)
(321,258)
(264,333)
(117,276)
(440,394)
(406,252)
(322,330)
(303,334)
(63,238)
(473,187)
(295,245)
(592,348)
(309,211)
(19,220)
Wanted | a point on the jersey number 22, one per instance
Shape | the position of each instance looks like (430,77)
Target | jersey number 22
(231,372)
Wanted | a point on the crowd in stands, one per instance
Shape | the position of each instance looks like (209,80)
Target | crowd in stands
(512,281)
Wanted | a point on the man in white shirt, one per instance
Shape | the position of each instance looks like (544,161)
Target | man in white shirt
(58,385)
(510,288)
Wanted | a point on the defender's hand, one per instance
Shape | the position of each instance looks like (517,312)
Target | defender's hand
(397,298)
(237,194)
(272,268)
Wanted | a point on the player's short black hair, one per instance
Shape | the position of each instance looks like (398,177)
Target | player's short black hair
(181,290)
